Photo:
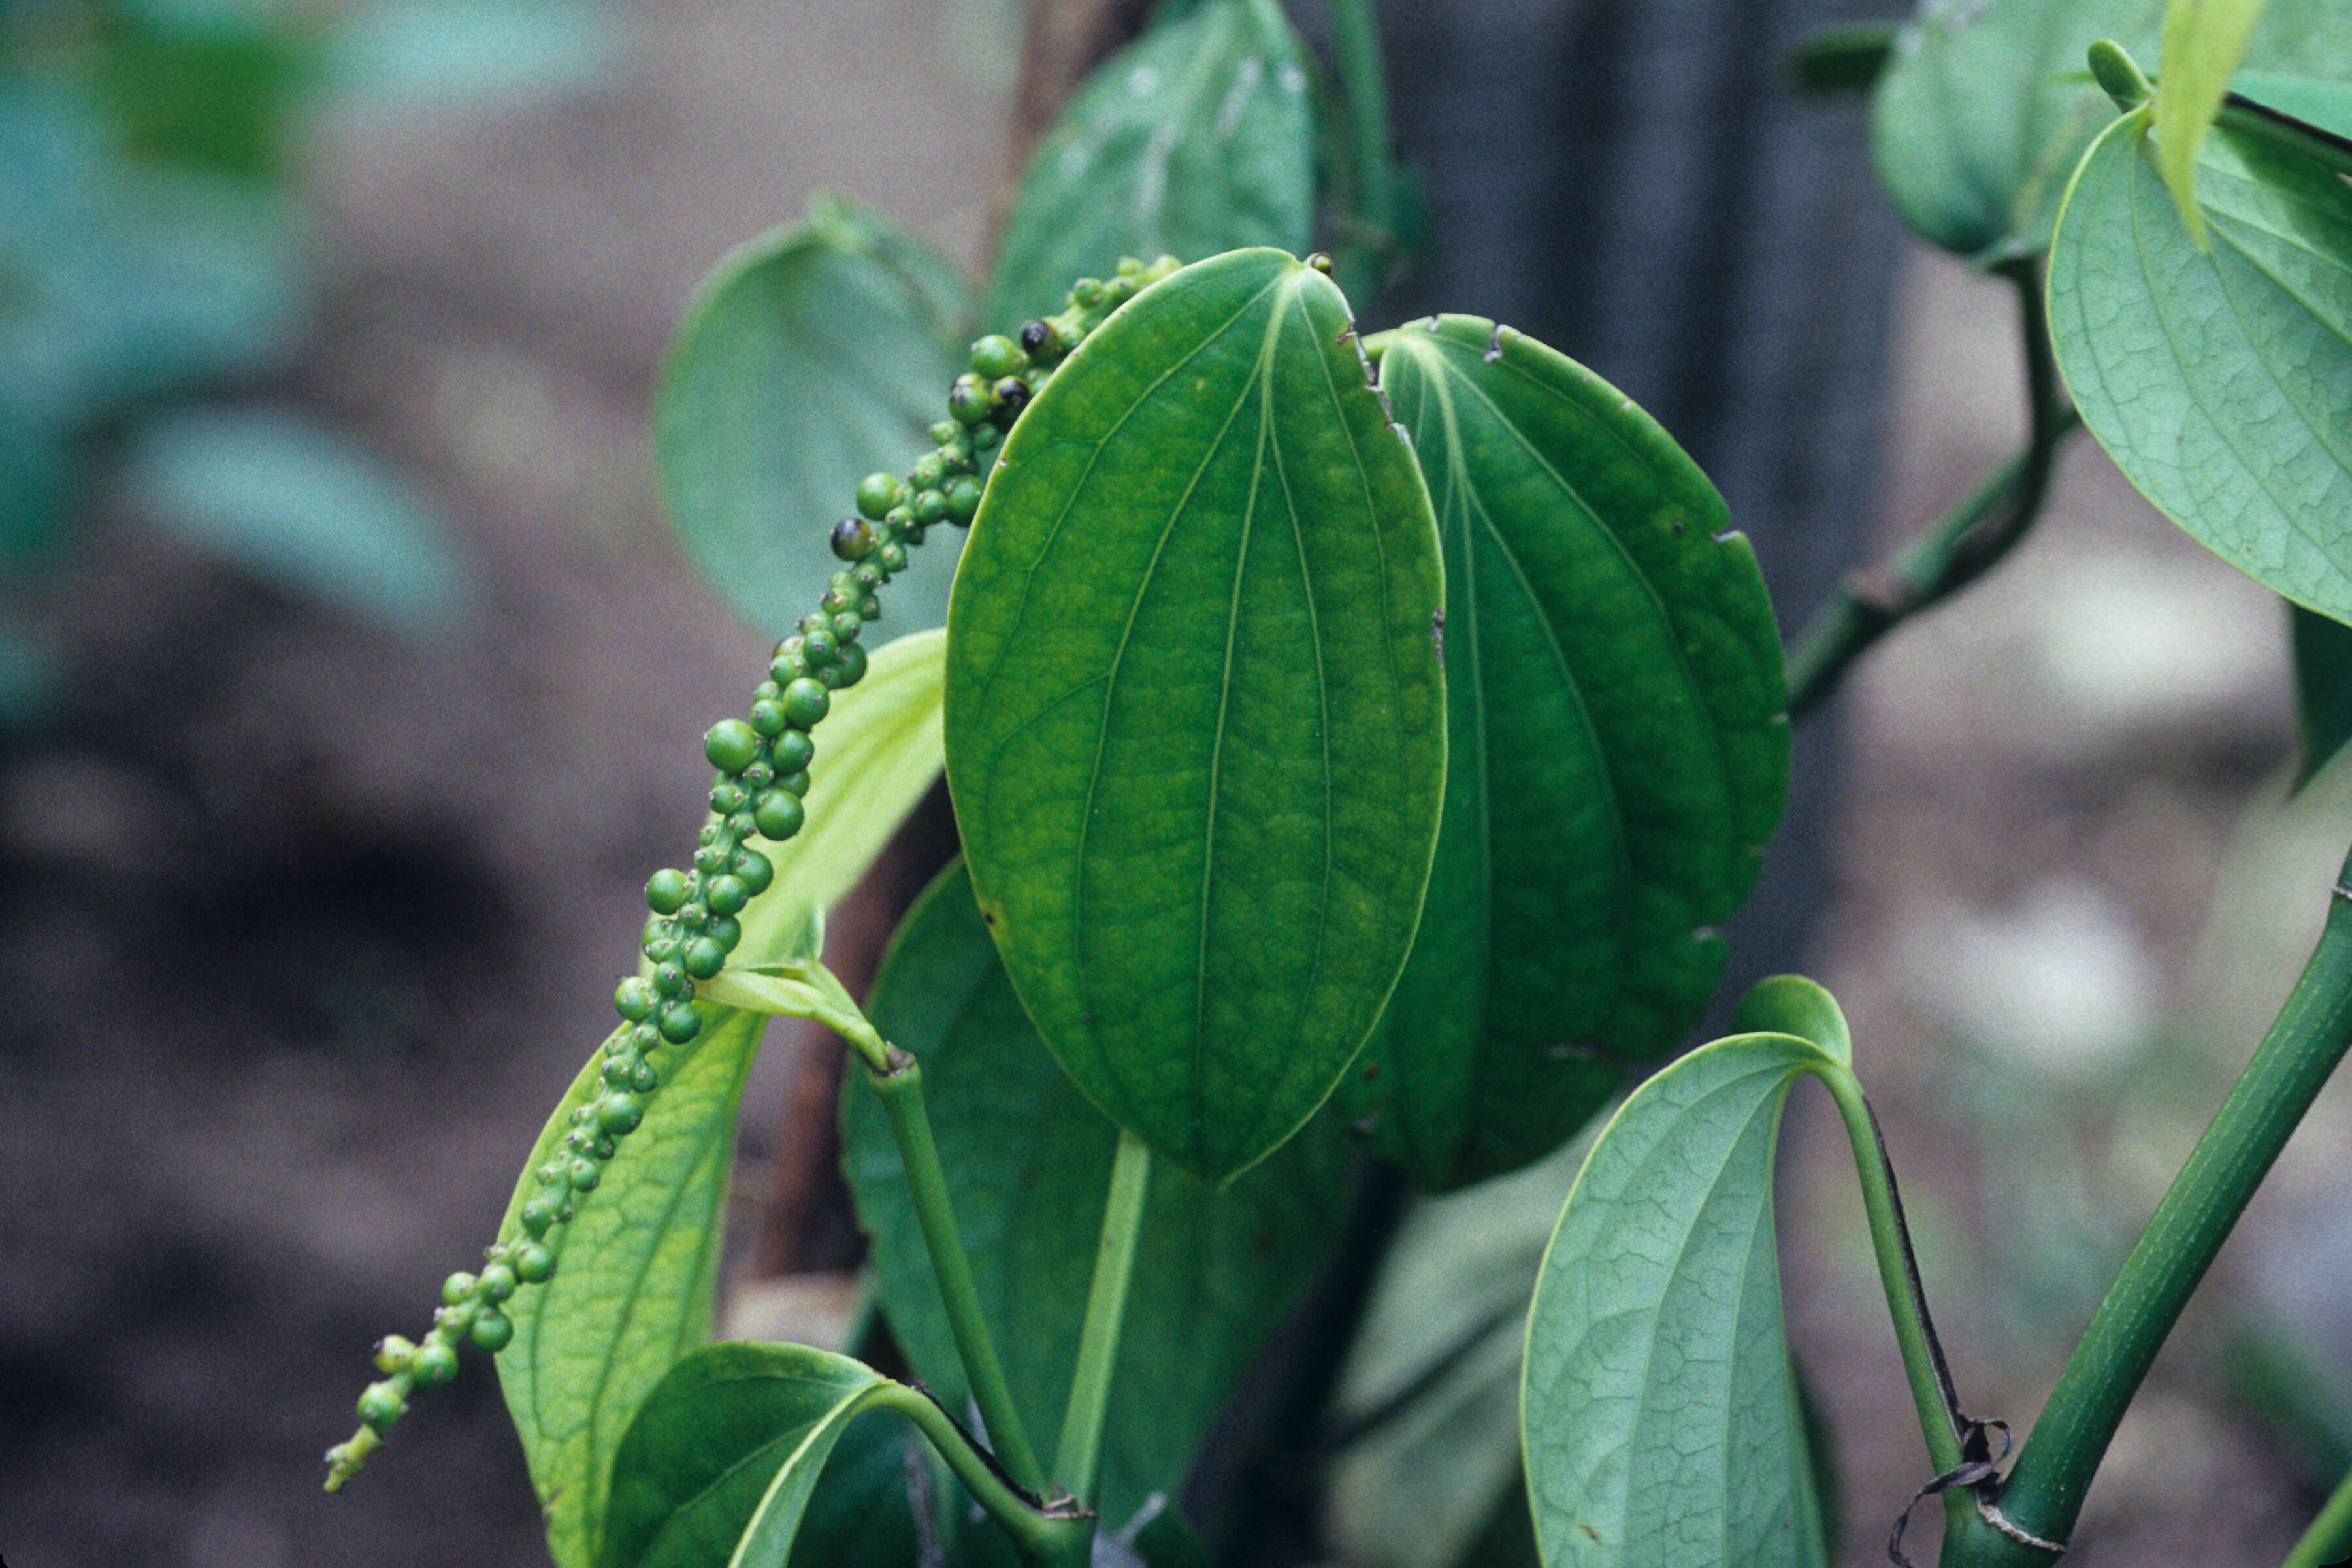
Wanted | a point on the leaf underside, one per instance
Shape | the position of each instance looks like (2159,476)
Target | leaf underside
(1660,1413)
(1029,1162)
(1195,724)
(1617,723)
(2219,381)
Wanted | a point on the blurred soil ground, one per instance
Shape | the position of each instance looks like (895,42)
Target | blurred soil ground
(306,927)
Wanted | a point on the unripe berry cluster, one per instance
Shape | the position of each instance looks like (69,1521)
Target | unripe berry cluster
(762,763)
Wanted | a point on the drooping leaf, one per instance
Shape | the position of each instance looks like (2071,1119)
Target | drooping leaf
(2203,41)
(303,506)
(1842,58)
(2323,687)
(1661,1418)
(1987,109)
(811,357)
(1196,139)
(1029,1162)
(2314,101)
(2219,381)
(721,1462)
(1195,726)
(878,755)
(1617,719)
(635,1275)
(1437,1364)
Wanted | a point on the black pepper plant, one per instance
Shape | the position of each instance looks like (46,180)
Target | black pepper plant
(1358,742)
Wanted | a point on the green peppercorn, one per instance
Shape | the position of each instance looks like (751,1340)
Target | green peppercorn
(929,506)
(846,624)
(491,1332)
(534,1264)
(995,355)
(851,667)
(456,1319)
(664,892)
(380,1405)
(498,1282)
(892,558)
(742,824)
(969,400)
(681,1023)
(986,437)
(728,798)
(648,1078)
(798,784)
(753,869)
(436,1364)
(926,475)
(727,932)
(943,432)
(584,1173)
(868,579)
(632,999)
(785,664)
(393,1352)
(658,941)
(703,958)
(780,813)
(620,1114)
(820,647)
(644,1038)
(615,1071)
(729,895)
(793,752)
(759,776)
(536,1217)
(878,494)
(708,858)
(458,1287)
(806,701)
(963,500)
(731,745)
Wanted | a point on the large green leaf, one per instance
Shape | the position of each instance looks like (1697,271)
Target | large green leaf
(2219,380)
(635,1275)
(1617,719)
(1196,139)
(1660,1415)
(723,1457)
(1195,722)
(878,755)
(1029,1162)
(812,356)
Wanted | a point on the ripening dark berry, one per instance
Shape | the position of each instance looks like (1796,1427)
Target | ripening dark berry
(970,401)
(768,719)
(620,1114)
(878,494)
(851,667)
(664,892)
(1012,395)
(964,500)
(780,813)
(926,475)
(731,745)
(534,1264)
(729,895)
(681,1024)
(380,1405)
(806,701)
(753,869)
(458,1287)
(703,958)
(498,1282)
(1039,340)
(853,538)
(929,506)
(435,1363)
(995,355)
(491,1332)
(634,1000)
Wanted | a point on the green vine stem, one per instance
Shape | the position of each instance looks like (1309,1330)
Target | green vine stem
(1047,1537)
(901,1089)
(1368,229)
(2044,1491)
(1969,541)
(762,762)
(2329,1539)
(1078,1455)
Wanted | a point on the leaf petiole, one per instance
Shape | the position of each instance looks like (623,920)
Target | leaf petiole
(1047,1537)
(1078,1455)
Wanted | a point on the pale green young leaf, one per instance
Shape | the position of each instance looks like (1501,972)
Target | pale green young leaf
(2219,381)
(812,356)
(1660,1412)
(1617,724)
(1029,1162)
(635,1272)
(877,755)
(1195,720)
(724,1455)
(2203,42)
(1196,139)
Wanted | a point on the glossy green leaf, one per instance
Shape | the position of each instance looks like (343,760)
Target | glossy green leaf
(1198,138)
(1195,724)
(2321,104)
(723,1457)
(811,357)
(1617,719)
(635,1275)
(879,753)
(2203,41)
(2323,687)
(1660,1415)
(2219,381)
(1987,109)
(1029,1162)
